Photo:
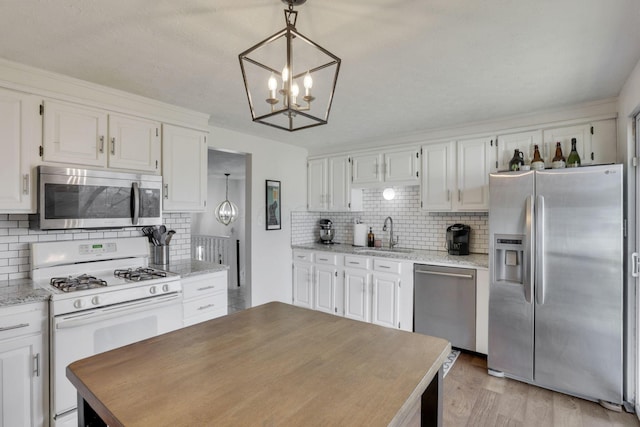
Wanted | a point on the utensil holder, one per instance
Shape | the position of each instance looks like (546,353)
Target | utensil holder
(160,254)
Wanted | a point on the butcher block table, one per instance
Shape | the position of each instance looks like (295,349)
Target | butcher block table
(271,365)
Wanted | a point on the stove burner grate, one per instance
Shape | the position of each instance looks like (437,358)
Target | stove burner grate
(70,284)
(139,274)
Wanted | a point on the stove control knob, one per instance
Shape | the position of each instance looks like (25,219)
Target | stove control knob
(95,300)
(165,288)
(78,303)
(152,290)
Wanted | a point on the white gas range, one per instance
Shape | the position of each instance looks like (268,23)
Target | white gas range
(104,296)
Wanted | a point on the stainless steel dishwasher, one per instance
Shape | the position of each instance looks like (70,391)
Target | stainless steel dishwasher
(445,304)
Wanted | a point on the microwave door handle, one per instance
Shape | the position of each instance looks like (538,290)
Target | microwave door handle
(136,203)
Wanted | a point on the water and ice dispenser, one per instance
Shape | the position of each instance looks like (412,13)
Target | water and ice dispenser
(509,258)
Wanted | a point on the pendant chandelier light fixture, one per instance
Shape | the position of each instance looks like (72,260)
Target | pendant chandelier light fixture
(227,211)
(279,68)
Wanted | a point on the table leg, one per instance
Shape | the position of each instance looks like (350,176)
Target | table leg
(87,417)
(431,405)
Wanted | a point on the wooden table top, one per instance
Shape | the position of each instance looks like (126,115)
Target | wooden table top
(270,365)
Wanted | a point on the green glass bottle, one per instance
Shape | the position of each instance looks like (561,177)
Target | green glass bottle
(573,161)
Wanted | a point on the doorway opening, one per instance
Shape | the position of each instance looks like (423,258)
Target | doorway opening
(215,242)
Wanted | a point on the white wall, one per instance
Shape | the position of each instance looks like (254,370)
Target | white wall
(270,270)
(628,107)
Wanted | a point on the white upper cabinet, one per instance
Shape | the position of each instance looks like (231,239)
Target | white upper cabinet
(603,141)
(456,175)
(317,184)
(366,169)
(582,134)
(74,134)
(523,141)
(77,134)
(438,165)
(338,184)
(20,135)
(475,157)
(134,143)
(400,167)
(329,185)
(184,169)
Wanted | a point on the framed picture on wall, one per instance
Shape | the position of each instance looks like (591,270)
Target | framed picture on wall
(274,219)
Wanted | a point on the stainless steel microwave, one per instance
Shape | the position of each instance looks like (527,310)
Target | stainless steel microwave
(87,198)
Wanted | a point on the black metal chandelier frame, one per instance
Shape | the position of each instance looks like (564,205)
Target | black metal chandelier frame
(290,107)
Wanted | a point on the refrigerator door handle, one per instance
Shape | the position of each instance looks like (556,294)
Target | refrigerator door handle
(539,263)
(529,253)
(634,265)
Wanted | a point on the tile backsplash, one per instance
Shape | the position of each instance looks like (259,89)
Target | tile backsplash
(15,237)
(415,228)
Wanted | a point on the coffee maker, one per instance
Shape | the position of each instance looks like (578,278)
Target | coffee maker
(458,239)
(326,231)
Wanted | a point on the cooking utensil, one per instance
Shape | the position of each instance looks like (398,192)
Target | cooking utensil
(170,234)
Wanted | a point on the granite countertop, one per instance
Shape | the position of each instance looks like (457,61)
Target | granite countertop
(420,256)
(21,291)
(191,267)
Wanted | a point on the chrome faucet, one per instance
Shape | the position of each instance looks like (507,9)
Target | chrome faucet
(392,242)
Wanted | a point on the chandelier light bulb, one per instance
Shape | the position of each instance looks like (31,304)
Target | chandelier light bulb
(285,76)
(295,90)
(308,84)
(273,85)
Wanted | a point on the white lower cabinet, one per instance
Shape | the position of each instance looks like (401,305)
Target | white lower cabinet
(386,288)
(357,287)
(357,294)
(326,277)
(303,279)
(23,365)
(205,297)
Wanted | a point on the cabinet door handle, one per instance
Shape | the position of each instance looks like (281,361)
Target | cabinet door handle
(8,328)
(113,146)
(101,149)
(448,195)
(384,266)
(204,307)
(206,287)
(36,365)
(459,195)
(25,183)
(166,191)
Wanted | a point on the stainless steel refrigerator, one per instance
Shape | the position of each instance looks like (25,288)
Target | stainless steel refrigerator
(556,279)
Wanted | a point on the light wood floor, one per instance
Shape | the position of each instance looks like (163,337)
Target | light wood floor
(474,398)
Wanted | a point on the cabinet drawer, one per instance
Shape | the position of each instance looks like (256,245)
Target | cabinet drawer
(204,285)
(20,320)
(386,266)
(356,262)
(326,258)
(302,256)
(206,306)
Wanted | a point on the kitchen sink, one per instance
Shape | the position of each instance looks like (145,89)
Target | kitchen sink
(373,251)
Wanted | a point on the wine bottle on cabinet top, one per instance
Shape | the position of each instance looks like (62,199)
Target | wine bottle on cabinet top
(573,161)
(537,163)
(558,161)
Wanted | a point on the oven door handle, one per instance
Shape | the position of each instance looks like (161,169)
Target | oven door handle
(136,203)
(93,316)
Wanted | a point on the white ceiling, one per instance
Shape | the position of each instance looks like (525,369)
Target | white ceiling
(407,66)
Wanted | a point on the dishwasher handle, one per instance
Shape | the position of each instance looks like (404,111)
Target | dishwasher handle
(439,273)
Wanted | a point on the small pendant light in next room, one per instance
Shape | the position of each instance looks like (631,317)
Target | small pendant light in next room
(227,211)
